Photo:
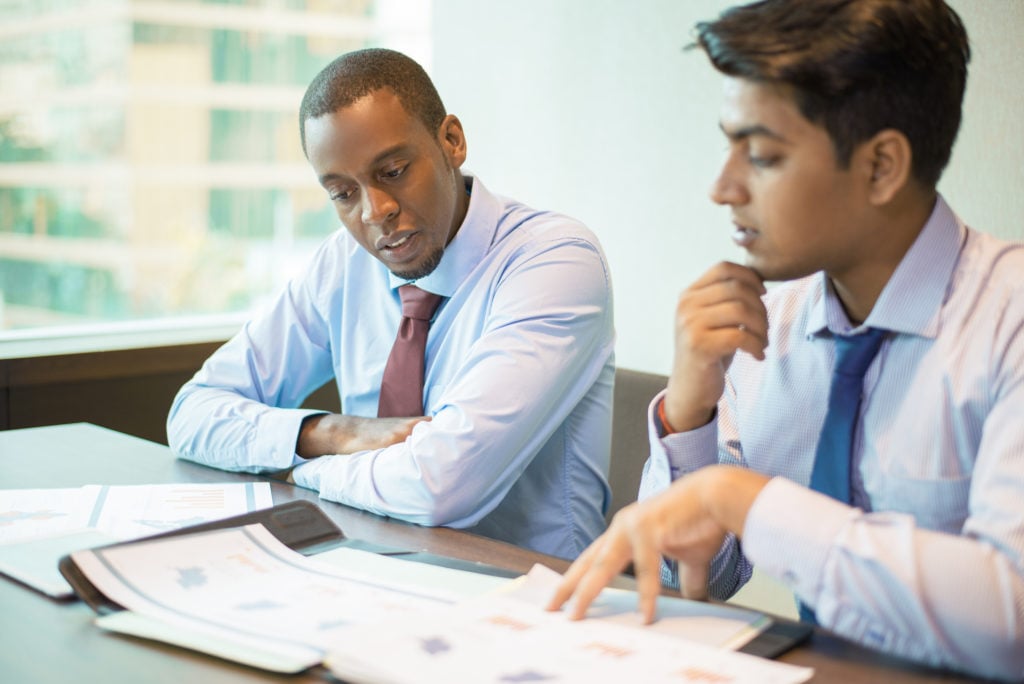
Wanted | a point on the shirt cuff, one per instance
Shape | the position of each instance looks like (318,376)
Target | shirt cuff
(279,433)
(681,452)
(789,533)
(336,478)
(309,472)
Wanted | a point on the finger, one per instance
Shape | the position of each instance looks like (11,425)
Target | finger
(571,577)
(608,562)
(746,315)
(723,342)
(754,344)
(694,580)
(647,564)
(727,270)
(720,306)
(712,346)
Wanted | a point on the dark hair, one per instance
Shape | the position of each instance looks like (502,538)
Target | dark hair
(856,67)
(356,74)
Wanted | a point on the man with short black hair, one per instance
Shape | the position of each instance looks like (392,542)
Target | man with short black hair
(856,431)
(470,336)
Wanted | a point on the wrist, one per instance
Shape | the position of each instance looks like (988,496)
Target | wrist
(318,435)
(729,495)
(675,420)
(666,425)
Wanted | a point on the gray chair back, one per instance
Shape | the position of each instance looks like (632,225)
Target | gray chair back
(630,445)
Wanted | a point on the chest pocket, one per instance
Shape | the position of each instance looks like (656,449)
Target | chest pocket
(938,504)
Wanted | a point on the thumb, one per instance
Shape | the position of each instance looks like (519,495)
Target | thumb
(693,581)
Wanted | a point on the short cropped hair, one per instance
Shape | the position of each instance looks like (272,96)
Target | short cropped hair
(355,75)
(856,67)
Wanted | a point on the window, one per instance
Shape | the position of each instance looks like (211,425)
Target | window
(150,164)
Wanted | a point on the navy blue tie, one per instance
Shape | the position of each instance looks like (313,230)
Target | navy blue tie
(834,455)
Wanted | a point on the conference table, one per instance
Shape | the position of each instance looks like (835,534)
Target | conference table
(45,640)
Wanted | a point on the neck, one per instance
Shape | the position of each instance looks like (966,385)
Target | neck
(899,223)
(461,205)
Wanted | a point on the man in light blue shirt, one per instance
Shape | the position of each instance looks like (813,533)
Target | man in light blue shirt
(840,117)
(519,358)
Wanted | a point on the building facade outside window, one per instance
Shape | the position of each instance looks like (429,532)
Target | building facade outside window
(150,164)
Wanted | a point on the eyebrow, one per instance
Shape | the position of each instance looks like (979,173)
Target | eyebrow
(752,131)
(394,149)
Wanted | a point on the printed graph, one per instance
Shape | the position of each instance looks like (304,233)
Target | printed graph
(193,499)
(8,518)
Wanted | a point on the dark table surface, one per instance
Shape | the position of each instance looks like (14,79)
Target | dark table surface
(44,640)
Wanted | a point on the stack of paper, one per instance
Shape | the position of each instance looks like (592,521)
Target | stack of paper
(507,637)
(242,595)
(39,526)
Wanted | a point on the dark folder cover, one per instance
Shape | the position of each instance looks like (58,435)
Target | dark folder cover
(778,638)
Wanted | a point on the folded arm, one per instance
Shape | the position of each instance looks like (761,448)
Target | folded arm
(238,412)
(546,339)
(544,345)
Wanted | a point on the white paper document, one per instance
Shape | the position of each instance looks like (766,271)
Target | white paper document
(710,624)
(37,513)
(502,638)
(134,511)
(242,594)
(39,526)
(441,581)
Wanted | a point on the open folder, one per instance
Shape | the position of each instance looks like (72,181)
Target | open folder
(246,594)
(299,525)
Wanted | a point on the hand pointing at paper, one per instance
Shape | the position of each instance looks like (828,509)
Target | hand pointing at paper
(687,522)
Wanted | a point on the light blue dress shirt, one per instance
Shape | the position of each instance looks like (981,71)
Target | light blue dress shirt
(518,381)
(929,561)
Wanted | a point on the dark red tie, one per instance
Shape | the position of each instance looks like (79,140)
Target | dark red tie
(401,389)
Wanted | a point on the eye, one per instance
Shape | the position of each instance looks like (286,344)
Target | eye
(339,195)
(393,172)
(764,162)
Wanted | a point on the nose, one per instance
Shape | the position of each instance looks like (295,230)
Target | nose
(379,207)
(729,187)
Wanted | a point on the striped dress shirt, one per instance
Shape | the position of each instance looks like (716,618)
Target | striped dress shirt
(928,562)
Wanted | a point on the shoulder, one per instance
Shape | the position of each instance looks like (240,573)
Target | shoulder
(987,286)
(334,251)
(986,297)
(512,223)
(991,263)
(337,259)
(541,258)
(519,223)
(526,237)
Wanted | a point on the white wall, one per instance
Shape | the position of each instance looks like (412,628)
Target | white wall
(593,108)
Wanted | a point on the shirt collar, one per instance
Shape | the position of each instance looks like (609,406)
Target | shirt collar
(912,299)
(471,243)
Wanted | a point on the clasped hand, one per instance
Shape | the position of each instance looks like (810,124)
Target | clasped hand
(332,433)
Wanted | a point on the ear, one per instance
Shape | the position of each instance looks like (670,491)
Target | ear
(452,140)
(886,160)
